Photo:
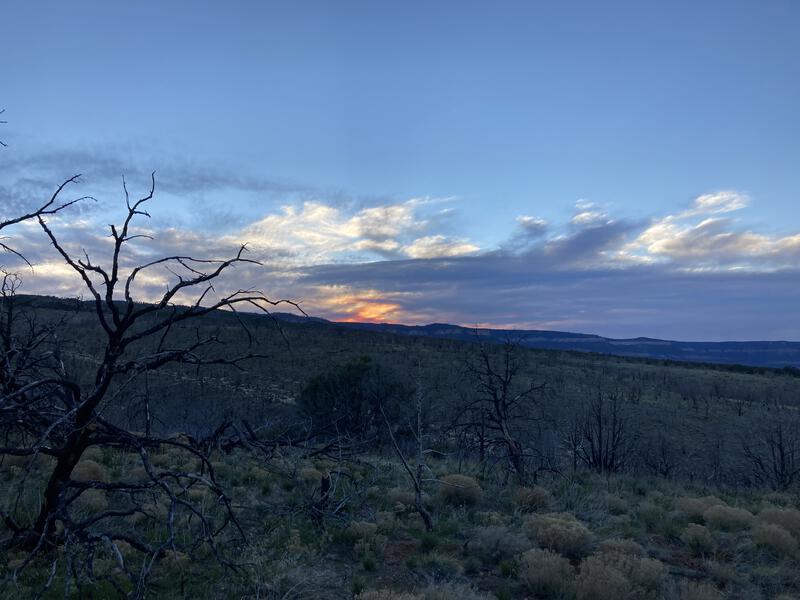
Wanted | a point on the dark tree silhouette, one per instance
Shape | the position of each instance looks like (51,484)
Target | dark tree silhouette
(46,412)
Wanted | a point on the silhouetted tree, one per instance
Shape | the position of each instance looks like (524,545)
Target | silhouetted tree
(503,402)
(47,412)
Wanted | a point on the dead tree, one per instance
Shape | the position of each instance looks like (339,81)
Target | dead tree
(603,438)
(50,207)
(50,414)
(504,402)
(774,452)
(416,474)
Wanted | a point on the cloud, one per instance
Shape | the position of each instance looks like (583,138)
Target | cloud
(532,227)
(699,237)
(319,233)
(434,246)
(699,273)
(723,201)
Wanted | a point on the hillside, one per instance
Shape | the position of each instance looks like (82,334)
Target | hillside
(775,354)
(325,508)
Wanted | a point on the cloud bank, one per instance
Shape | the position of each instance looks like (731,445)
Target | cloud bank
(701,273)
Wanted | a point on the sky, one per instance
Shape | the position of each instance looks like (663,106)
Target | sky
(620,168)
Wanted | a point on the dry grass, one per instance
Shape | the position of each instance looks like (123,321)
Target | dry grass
(561,532)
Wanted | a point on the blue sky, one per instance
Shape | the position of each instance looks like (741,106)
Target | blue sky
(577,138)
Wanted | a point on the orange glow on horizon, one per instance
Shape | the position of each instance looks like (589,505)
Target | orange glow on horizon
(368,306)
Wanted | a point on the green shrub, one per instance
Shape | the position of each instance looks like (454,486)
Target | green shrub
(616,505)
(438,567)
(546,573)
(90,470)
(507,567)
(699,540)
(788,518)
(361,530)
(428,542)
(776,538)
(495,543)
(691,590)
(386,595)
(621,546)
(532,499)
(646,575)
(452,591)
(599,581)
(560,532)
(460,490)
(727,518)
(93,501)
(695,507)
(368,562)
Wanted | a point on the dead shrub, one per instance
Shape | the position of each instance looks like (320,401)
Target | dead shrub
(460,490)
(727,518)
(560,532)
(776,538)
(532,499)
(546,573)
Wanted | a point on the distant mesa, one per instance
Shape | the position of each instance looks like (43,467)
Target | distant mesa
(773,354)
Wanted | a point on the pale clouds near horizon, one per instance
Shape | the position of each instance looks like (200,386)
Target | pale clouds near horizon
(678,275)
